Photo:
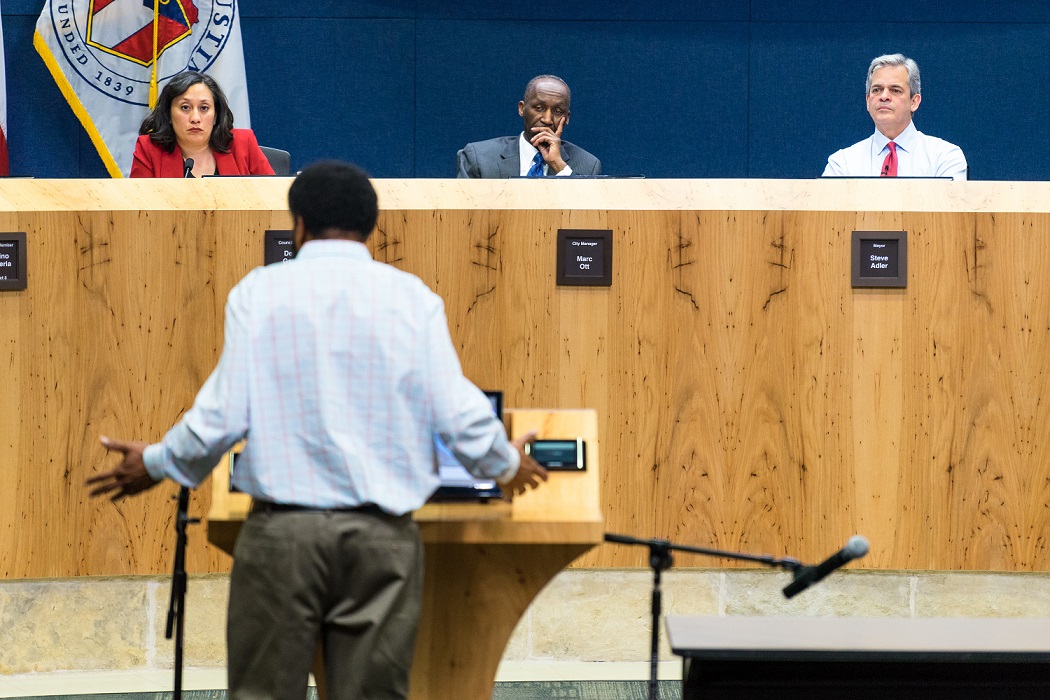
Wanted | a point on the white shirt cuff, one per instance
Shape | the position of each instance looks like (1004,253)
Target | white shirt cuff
(512,470)
(153,458)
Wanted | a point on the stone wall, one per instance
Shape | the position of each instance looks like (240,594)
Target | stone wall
(584,615)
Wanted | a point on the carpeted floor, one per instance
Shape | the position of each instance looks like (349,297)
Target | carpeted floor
(530,690)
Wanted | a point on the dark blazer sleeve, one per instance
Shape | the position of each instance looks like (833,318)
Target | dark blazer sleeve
(467,160)
(582,162)
(596,168)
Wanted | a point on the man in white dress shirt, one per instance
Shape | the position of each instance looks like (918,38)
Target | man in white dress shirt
(337,371)
(896,148)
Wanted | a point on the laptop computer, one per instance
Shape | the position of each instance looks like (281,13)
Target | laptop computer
(458,484)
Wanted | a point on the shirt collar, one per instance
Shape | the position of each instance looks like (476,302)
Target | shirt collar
(905,140)
(333,248)
(526,152)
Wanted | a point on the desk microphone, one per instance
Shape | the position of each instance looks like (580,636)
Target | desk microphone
(187,167)
(808,575)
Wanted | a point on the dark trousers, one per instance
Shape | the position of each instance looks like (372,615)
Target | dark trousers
(351,579)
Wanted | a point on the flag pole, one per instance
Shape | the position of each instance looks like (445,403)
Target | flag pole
(153,72)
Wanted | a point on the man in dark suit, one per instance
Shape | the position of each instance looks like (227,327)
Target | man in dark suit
(538,150)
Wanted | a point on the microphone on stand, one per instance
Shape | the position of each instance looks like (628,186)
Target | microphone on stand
(187,168)
(806,576)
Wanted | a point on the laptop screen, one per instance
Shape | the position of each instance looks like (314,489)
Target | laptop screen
(458,484)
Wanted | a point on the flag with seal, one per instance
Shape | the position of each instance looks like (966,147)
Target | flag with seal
(110,58)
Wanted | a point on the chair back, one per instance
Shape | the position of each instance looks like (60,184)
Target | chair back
(280,161)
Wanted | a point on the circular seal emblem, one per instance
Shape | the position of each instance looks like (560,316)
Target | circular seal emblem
(111,44)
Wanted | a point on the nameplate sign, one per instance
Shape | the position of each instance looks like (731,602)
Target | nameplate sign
(278,247)
(879,259)
(12,261)
(584,257)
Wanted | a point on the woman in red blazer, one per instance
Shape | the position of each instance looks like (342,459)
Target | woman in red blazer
(189,133)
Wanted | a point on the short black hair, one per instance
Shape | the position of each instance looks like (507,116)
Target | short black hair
(334,195)
(158,122)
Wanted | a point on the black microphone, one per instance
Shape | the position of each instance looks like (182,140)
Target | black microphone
(808,575)
(187,167)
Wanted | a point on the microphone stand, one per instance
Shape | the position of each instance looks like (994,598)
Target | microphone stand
(177,602)
(660,559)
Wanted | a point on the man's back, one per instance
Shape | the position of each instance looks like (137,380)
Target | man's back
(351,372)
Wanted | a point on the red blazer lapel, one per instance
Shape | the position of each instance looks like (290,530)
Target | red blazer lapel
(226,164)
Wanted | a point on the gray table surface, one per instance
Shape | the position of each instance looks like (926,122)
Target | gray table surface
(962,639)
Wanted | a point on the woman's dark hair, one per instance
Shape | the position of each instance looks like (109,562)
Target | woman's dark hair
(334,195)
(158,122)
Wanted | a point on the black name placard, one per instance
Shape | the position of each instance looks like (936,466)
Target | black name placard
(278,246)
(584,257)
(12,261)
(879,259)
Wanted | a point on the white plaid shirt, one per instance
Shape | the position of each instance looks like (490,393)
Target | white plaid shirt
(338,371)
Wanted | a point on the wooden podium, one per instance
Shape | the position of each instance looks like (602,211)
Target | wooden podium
(485,563)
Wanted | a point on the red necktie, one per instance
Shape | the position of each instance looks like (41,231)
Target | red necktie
(889,166)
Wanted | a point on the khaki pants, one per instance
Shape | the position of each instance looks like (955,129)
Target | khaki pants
(351,579)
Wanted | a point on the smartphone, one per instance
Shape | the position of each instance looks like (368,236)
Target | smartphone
(559,455)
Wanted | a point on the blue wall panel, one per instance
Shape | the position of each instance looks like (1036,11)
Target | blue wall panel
(759,88)
(924,11)
(354,100)
(330,9)
(542,12)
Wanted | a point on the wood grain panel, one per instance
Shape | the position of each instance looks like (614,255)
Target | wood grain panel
(747,397)
(124,315)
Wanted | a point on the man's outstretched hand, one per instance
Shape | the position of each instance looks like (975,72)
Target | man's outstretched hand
(127,478)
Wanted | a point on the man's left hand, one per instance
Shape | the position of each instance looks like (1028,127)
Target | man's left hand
(127,478)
